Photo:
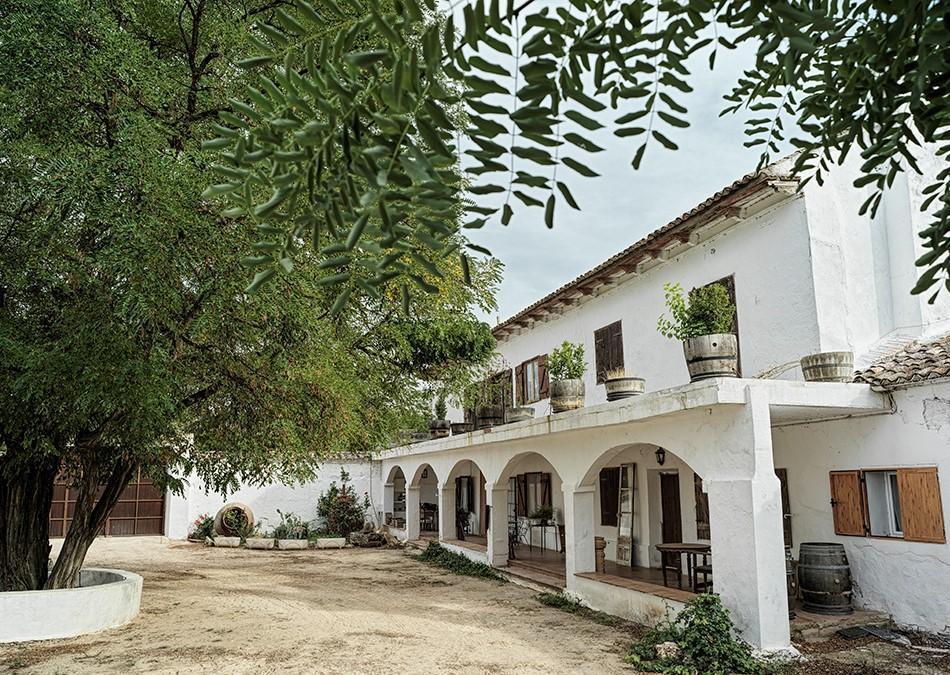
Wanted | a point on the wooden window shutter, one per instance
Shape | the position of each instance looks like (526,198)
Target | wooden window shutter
(519,385)
(702,508)
(615,346)
(521,501)
(509,394)
(847,503)
(609,495)
(601,346)
(921,507)
(543,382)
(545,489)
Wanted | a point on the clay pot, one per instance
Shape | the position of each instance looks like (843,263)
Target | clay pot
(221,527)
(567,395)
(714,355)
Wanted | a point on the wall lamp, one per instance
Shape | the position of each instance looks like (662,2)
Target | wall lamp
(660,456)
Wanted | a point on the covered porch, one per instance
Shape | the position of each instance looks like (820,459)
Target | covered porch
(716,444)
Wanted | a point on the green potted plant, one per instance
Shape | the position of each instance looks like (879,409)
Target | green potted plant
(703,322)
(439,427)
(620,386)
(542,514)
(566,368)
(292,533)
(231,520)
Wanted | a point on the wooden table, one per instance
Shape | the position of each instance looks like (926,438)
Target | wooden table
(677,549)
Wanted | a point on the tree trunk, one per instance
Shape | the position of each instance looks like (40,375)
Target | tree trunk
(26,494)
(93,504)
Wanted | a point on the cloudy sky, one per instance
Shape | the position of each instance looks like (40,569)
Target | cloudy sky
(623,205)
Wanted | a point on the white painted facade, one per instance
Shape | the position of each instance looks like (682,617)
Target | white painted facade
(810,275)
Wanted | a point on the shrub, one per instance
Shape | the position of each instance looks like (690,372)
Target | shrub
(542,512)
(571,606)
(340,509)
(706,639)
(708,310)
(441,410)
(202,528)
(434,554)
(566,362)
(291,527)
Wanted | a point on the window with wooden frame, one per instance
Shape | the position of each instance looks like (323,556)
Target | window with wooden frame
(730,285)
(608,350)
(609,495)
(531,380)
(533,490)
(899,503)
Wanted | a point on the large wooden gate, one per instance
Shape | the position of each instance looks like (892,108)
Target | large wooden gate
(140,510)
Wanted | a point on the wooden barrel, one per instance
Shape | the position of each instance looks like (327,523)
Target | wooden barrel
(619,388)
(824,578)
(828,367)
(490,416)
(567,395)
(712,356)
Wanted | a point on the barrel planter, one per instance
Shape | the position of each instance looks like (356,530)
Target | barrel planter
(461,428)
(824,578)
(490,416)
(439,428)
(619,388)
(714,355)
(828,367)
(567,395)
(519,414)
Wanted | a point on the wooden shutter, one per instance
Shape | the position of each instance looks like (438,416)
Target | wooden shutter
(921,507)
(615,346)
(545,481)
(519,385)
(847,503)
(609,495)
(543,382)
(601,354)
(702,508)
(521,502)
(786,506)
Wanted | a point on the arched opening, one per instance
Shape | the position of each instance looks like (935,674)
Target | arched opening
(650,516)
(464,505)
(534,517)
(394,500)
(427,482)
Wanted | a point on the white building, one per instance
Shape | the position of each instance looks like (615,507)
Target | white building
(749,465)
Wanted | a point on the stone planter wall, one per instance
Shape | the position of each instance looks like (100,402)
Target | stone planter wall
(104,599)
(331,542)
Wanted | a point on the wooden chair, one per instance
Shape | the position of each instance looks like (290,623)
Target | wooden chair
(703,569)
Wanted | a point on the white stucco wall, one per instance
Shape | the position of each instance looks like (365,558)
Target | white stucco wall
(909,580)
(264,501)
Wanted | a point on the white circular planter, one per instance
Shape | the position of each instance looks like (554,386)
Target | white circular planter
(104,599)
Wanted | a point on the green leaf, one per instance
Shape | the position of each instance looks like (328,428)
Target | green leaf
(582,169)
(260,279)
(549,211)
(568,197)
(667,143)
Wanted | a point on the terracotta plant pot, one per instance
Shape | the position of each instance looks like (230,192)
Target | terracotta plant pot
(624,387)
(519,414)
(220,522)
(828,367)
(567,395)
(293,544)
(259,543)
(461,427)
(439,428)
(712,356)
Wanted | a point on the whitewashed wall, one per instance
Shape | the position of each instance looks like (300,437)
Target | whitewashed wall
(181,511)
(909,580)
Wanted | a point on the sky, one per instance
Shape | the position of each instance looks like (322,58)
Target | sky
(623,205)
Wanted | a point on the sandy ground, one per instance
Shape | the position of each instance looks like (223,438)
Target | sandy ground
(207,610)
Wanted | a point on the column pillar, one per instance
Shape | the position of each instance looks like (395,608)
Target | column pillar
(497,498)
(748,546)
(389,498)
(447,513)
(412,512)
(578,530)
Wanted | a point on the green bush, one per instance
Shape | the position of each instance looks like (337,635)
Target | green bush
(434,554)
(708,311)
(340,509)
(566,362)
(707,641)
(291,526)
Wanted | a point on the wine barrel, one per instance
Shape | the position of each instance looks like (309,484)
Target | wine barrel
(828,367)
(714,355)
(824,578)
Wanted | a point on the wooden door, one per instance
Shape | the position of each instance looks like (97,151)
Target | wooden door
(786,507)
(672,520)
(139,511)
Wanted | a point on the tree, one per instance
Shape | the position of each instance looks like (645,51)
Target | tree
(126,340)
(368,152)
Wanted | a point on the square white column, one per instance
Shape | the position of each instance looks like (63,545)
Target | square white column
(412,512)
(447,513)
(497,498)
(578,531)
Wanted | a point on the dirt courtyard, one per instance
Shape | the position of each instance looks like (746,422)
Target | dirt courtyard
(207,610)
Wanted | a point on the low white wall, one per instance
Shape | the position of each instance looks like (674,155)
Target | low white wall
(105,599)
(265,501)
(626,603)
(475,556)
(908,580)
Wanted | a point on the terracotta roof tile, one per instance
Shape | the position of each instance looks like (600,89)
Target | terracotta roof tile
(916,362)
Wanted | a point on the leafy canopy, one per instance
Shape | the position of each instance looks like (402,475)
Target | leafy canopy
(366,128)
(567,362)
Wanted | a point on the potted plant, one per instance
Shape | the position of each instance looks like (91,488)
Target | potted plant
(566,368)
(231,520)
(292,533)
(202,529)
(519,413)
(440,427)
(461,427)
(703,322)
(254,538)
(619,386)
(542,514)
